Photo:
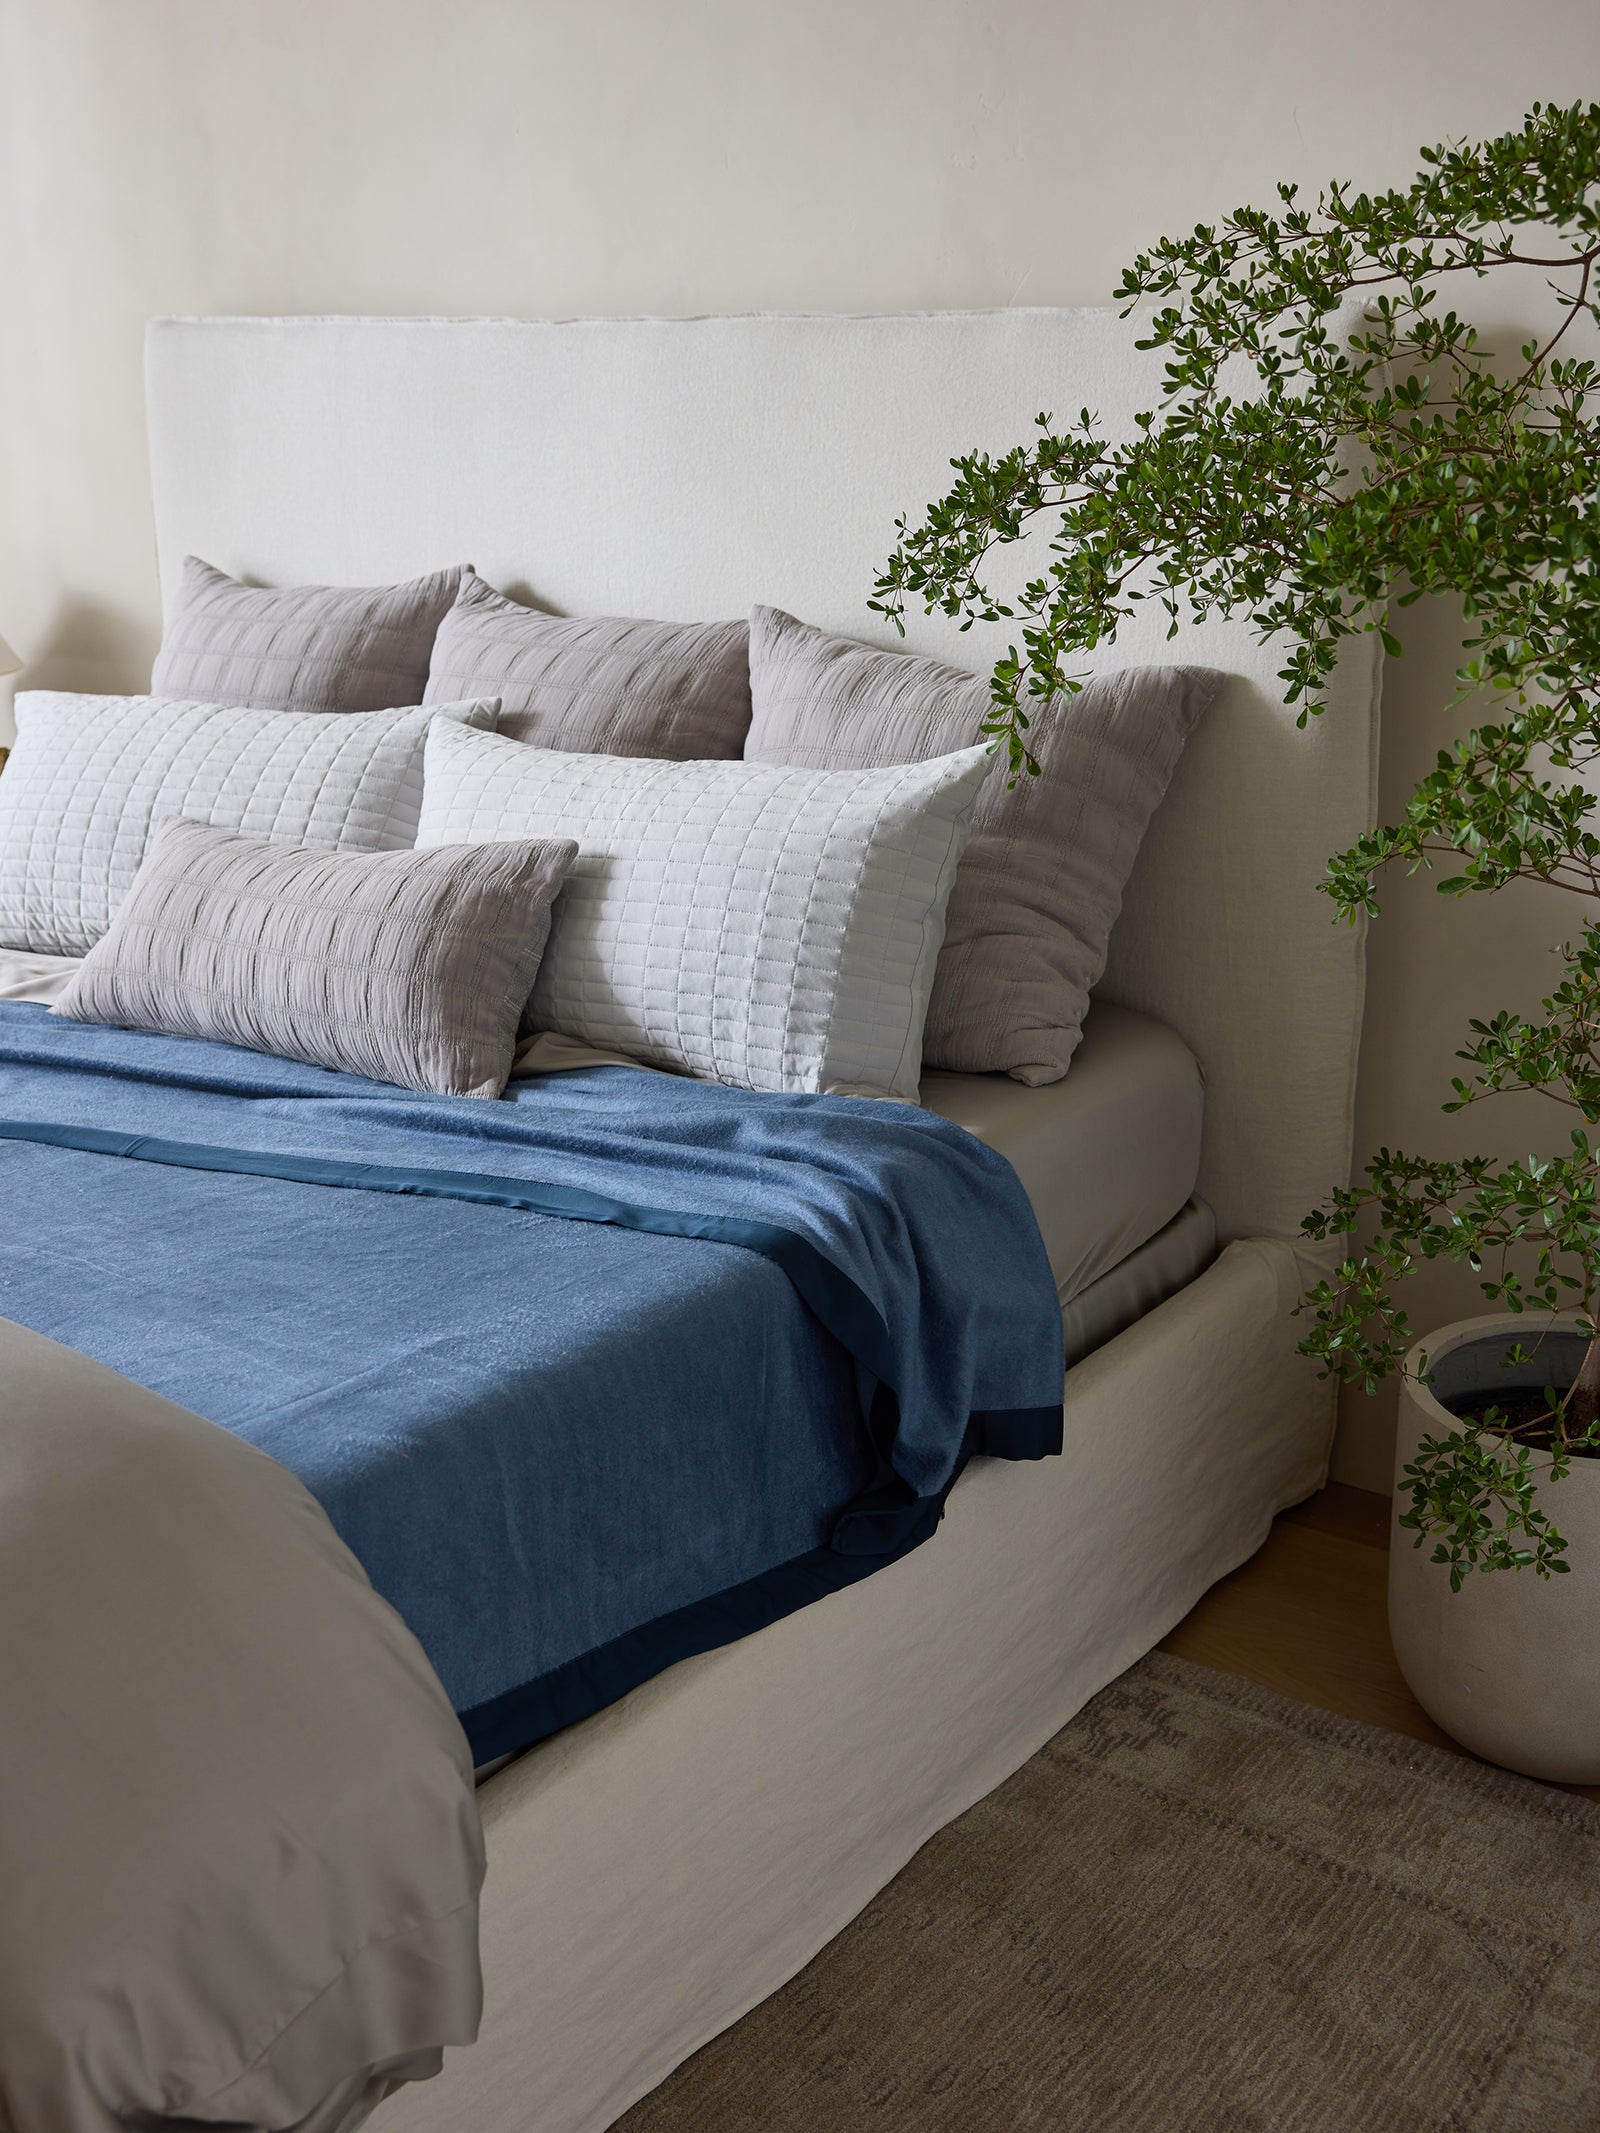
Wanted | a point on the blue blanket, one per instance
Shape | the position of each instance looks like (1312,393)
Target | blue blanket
(611,1371)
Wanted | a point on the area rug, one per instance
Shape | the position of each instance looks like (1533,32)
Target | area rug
(1202,1908)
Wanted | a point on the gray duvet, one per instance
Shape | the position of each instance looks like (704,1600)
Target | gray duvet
(239,1849)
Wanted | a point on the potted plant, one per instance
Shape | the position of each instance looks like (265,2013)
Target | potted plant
(1405,463)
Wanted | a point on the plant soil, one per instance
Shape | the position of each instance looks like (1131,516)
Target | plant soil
(1523,1413)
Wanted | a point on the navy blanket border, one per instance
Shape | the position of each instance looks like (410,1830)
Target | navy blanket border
(522,1717)
(882,1525)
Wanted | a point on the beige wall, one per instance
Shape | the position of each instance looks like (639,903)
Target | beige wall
(565,156)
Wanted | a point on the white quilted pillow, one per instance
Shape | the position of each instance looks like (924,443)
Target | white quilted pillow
(742,922)
(90,775)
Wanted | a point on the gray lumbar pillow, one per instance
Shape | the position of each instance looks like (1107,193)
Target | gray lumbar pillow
(410,967)
(301,647)
(597,685)
(1041,881)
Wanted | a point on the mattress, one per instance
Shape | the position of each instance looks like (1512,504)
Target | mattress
(1167,1262)
(1108,1156)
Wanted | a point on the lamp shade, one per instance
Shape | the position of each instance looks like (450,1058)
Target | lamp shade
(9,662)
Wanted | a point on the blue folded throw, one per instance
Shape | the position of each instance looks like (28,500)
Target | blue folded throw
(609,1372)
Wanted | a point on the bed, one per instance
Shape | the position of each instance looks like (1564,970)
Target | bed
(659,1867)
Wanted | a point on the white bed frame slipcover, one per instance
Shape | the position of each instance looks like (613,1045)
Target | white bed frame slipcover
(661,1868)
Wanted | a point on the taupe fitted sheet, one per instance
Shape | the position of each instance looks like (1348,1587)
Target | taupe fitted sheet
(1166,1263)
(1109,1155)
(24,976)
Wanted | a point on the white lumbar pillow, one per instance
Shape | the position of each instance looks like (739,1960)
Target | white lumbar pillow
(747,923)
(90,776)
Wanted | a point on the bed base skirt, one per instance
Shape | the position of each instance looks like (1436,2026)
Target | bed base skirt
(660,1869)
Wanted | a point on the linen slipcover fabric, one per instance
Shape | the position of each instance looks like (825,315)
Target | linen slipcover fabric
(240,1852)
(764,927)
(409,967)
(90,776)
(596,685)
(1041,882)
(300,647)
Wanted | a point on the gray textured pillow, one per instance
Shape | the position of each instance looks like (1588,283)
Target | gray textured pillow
(91,775)
(597,685)
(764,927)
(301,647)
(410,967)
(1041,882)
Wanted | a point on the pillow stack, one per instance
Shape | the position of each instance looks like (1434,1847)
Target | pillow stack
(329,648)
(91,776)
(1039,889)
(790,861)
(408,967)
(233,855)
(658,952)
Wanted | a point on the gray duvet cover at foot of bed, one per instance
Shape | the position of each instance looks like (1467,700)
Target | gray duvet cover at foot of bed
(240,1853)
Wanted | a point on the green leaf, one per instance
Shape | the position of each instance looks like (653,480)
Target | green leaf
(1344,480)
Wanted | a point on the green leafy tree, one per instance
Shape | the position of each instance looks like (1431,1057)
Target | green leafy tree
(1356,474)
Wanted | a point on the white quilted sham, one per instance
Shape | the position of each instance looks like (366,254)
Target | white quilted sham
(90,775)
(771,927)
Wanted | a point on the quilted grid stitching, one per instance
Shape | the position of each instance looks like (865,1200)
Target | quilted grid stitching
(91,776)
(329,648)
(597,684)
(756,924)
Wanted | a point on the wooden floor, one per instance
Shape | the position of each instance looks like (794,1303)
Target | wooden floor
(1307,1616)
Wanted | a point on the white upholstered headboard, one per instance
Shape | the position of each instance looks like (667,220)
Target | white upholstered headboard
(688,468)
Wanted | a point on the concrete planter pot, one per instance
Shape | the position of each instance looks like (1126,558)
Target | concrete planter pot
(1510,1665)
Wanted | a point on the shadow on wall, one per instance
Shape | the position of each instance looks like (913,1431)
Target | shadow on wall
(1434,962)
(93,649)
